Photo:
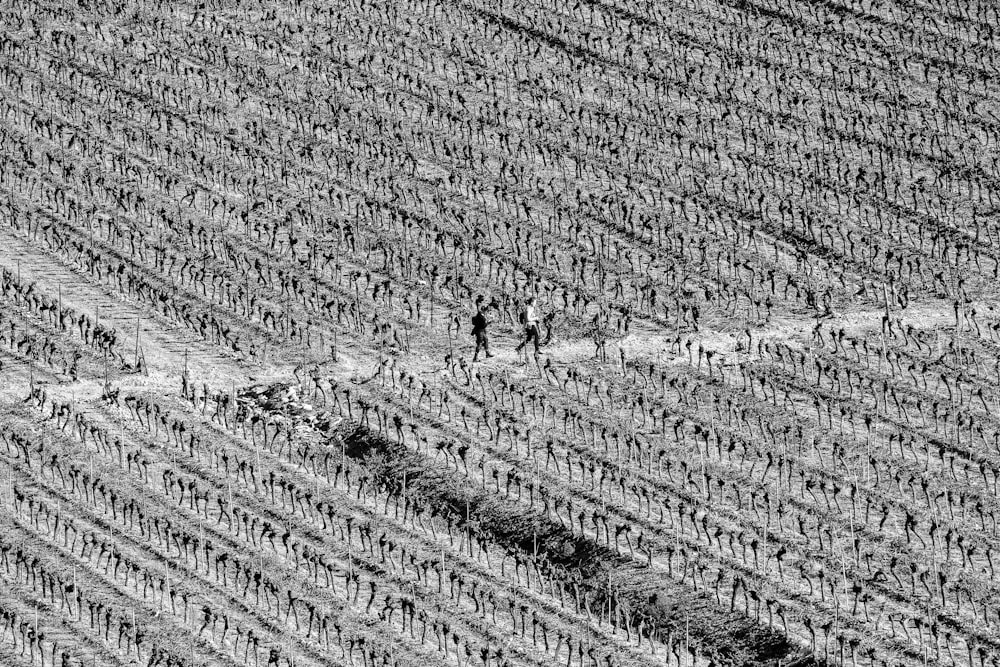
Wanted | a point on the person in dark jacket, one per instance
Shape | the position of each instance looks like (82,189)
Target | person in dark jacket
(479,331)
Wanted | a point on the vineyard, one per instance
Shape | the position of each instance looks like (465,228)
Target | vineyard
(499,334)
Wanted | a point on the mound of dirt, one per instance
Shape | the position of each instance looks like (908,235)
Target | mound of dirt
(673,609)
(284,399)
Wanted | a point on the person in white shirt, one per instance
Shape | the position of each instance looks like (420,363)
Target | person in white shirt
(530,326)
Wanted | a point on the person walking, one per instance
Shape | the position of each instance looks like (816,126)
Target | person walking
(530,325)
(479,330)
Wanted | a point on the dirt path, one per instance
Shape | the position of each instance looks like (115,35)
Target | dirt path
(165,346)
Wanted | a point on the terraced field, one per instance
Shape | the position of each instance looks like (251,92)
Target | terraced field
(245,418)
